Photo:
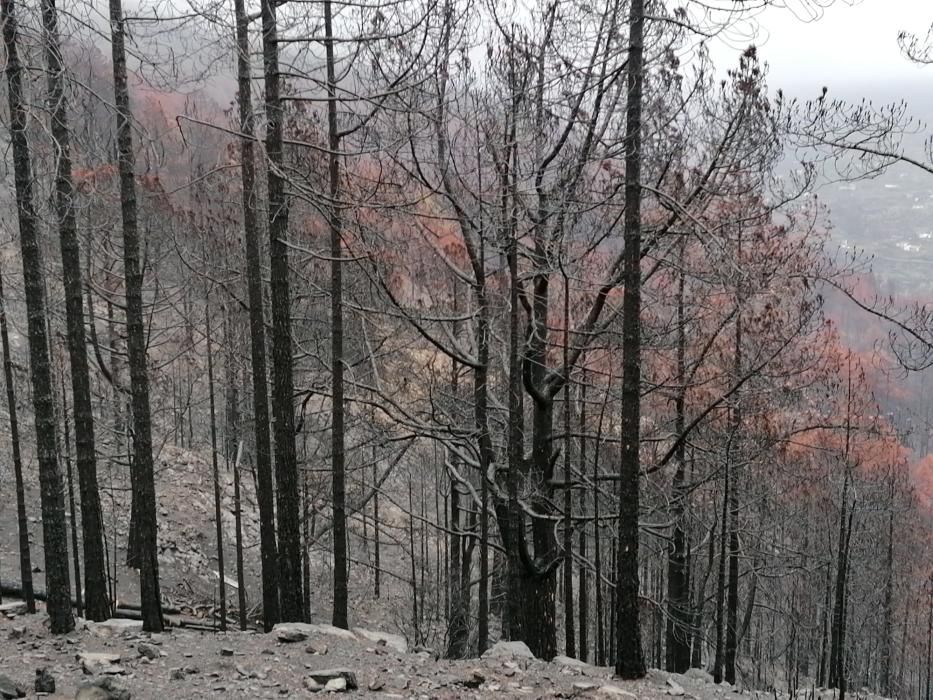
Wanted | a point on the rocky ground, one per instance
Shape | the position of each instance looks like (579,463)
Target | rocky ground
(293,661)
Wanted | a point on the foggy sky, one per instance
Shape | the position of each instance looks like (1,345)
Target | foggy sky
(849,44)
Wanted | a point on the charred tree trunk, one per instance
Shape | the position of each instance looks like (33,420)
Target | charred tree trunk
(678,591)
(54,529)
(218,522)
(630,661)
(257,327)
(25,556)
(583,600)
(335,221)
(96,602)
(143,481)
(286,464)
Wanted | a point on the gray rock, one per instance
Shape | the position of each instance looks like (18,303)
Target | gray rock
(115,627)
(584,686)
(513,650)
(13,609)
(312,685)
(316,648)
(177,674)
(393,641)
(45,681)
(149,651)
(674,688)
(336,685)
(17,632)
(290,636)
(570,662)
(329,674)
(615,691)
(99,663)
(313,630)
(699,675)
(10,688)
(226,651)
(102,689)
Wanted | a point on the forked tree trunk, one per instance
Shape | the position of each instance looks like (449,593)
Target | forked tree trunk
(54,529)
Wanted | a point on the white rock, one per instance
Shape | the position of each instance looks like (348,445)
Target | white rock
(616,692)
(336,685)
(313,629)
(674,688)
(108,628)
(585,686)
(393,641)
(515,650)
(571,662)
(13,609)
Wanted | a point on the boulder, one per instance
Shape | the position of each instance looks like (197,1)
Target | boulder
(102,689)
(584,687)
(698,675)
(295,629)
(615,691)
(336,685)
(149,651)
(326,675)
(569,662)
(10,688)
(393,641)
(115,627)
(674,688)
(508,650)
(13,609)
(100,663)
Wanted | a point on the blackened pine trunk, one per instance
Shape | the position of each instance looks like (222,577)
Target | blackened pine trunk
(630,661)
(335,221)
(887,635)
(238,524)
(72,512)
(569,630)
(96,602)
(732,596)
(837,629)
(583,599)
(25,556)
(218,522)
(54,529)
(257,331)
(144,481)
(481,413)
(718,659)
(377,545)
(678,591)
(597,539)
(283,412)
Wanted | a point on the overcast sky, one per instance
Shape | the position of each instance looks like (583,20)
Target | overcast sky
(849,43)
